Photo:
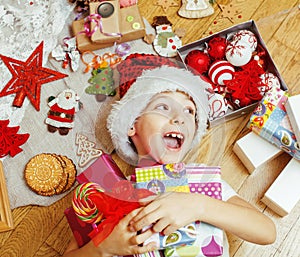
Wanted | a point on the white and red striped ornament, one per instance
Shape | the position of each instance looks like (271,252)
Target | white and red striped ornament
(238,53)
(219,71)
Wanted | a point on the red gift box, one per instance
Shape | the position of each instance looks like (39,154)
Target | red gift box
(104,171)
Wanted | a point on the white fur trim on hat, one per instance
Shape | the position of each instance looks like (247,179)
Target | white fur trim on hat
(125,111)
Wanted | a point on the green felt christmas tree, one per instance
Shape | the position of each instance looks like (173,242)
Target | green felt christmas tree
(102,83)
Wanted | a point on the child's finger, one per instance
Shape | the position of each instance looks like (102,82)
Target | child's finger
(127,219)
(145,248)
(142,237)
(146,200)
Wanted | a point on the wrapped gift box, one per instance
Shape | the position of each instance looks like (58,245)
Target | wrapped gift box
(293,111)
(156,253)
(104,171)
(270,121)
(131,27)
(284,193)
(80,229)
(246,149)
(271,67)
(163,178)
(109,30)
(209,239)
(166,178)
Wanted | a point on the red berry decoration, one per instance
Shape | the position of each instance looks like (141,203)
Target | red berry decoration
(197,60)
(217,47)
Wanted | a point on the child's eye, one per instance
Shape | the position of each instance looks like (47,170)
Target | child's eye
(189,110)
(162,107)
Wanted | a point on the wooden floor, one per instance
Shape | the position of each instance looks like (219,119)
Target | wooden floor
(43,231)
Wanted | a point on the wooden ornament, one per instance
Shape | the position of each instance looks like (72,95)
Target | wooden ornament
(165,4)
(229,11)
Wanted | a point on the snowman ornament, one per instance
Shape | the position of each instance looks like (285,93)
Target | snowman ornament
(166,42)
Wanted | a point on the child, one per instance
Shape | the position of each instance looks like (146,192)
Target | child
(160,118)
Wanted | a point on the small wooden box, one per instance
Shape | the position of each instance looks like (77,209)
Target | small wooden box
(6,221)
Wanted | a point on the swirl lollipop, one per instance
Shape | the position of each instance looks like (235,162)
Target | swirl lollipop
(84,207)
(92,205)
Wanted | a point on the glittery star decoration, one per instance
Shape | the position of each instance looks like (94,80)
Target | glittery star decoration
(28,77)
(229,11)
(165,4)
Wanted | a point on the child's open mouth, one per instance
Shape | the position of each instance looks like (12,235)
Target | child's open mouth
(173,140)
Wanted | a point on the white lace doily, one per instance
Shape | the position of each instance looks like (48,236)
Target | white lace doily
(23,25)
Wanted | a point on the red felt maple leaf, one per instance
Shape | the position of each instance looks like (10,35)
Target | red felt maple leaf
(28,77)
(10,141)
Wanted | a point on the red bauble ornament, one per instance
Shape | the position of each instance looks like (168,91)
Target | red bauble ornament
(217,47)
(197,60)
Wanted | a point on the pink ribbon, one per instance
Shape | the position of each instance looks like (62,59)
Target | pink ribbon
(98,20)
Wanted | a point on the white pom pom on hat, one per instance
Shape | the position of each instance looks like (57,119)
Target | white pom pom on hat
(162,79)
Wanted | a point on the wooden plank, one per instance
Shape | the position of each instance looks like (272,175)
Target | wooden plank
(270,16)
(6,220)
(62,228)
(46,251)
(278,22)
(37,225)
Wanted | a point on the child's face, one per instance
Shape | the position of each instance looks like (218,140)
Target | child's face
(166,128)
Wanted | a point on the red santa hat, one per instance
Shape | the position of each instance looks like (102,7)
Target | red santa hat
(142,77)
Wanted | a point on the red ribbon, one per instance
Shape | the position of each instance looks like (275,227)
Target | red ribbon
(114,206)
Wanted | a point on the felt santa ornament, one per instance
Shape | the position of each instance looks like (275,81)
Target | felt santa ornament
(62,111)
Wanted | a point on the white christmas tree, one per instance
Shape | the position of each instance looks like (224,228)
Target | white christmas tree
(86,150)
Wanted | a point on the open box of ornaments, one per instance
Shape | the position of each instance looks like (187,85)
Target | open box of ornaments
(238,67)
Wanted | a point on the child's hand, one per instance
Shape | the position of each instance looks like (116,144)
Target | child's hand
(168,212)
(123,242)
(120,242)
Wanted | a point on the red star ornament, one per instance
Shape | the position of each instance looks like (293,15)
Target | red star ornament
(28,77)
